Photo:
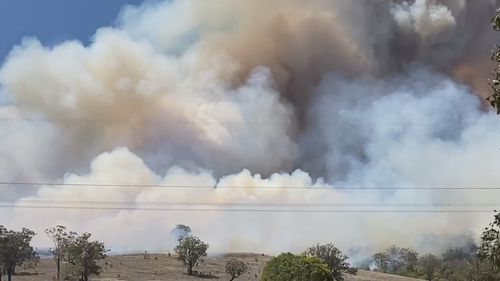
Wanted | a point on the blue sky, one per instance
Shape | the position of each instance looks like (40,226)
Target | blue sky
(54,21)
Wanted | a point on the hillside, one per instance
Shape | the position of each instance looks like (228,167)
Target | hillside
(163,267)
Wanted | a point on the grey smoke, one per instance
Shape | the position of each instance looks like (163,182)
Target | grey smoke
(328,93)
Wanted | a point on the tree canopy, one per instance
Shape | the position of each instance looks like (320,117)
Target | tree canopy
(494,99)
(287,267)
(15,249)
(61,240)
(190,249)
(333,257)
(180,231)
(235,268)
(82,256)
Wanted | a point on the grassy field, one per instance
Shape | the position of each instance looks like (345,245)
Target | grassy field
(163,267)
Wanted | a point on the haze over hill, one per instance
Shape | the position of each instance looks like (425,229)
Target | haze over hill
(265,126)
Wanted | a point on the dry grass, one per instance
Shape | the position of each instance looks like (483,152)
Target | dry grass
(163,267)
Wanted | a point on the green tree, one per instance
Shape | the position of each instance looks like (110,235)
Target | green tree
(189,250)
(235,268)
(333,257)
(82,256)
(483,271)
(460,263)
(429,264)
(397,260)
(290,267)
(16,249)
(494,99)
(61,240)
(489,249)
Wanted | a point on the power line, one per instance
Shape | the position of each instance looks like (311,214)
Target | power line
(267,204)
(312,187)
(259,207)
(201,121)
(373,211)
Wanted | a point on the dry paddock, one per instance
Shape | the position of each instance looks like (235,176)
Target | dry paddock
(164,267)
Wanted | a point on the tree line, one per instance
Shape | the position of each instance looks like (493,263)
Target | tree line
(77,257)
(317,263)
(469,262)
(77,253)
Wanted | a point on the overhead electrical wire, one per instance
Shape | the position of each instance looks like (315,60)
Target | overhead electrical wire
(260,204)
(254,210)
(311,187)
(183,121)
(259,207)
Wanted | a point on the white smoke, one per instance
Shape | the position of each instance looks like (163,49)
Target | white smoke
(252,96)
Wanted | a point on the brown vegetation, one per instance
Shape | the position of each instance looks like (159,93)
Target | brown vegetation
(163,267)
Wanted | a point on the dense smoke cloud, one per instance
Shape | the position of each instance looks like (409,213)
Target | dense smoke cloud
(256,94)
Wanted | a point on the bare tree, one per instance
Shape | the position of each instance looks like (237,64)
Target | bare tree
(60,239)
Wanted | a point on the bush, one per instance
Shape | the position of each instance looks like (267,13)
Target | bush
(290,267)
(397,260)
(235,268)
(333,257)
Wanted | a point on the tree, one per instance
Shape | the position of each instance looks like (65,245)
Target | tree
(494,99)
(381,260)
(82,255)
(466,253)
(461,263)
(61,240)
(489,249)
(190,249)
(235,268)
(2,250)
(333,257)
(428,264)
(287,267)
(397,260)
(180,231)
(16,249)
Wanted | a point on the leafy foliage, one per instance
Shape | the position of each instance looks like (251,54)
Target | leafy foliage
(494,99)
(290,267)
(490,243)
(2,250)
(61,240)
(333,257)
(397,260)
(82,256)
(15,249)
(235,268)
(190,249)
(428,265)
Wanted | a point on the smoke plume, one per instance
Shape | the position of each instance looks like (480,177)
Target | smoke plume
(341,96)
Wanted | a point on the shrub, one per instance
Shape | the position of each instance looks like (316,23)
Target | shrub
(290,267)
